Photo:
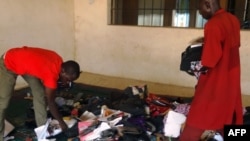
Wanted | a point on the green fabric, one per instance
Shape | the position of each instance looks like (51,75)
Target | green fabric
(7,84)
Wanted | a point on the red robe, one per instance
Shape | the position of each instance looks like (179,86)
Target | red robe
(218,92)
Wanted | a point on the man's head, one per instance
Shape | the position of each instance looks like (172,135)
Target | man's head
(70,71)
(207,8)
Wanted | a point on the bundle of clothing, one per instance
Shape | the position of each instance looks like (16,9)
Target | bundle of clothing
(133,114)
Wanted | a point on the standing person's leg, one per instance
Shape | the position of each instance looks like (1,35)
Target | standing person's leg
(39,102)
(7,84)
(190,134)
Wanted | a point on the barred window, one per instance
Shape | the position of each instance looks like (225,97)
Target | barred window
(171,13)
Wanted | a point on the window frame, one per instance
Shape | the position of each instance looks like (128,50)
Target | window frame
(126,12)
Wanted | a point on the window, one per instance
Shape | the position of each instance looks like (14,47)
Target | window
(151,12)
(171,13)
(241,9)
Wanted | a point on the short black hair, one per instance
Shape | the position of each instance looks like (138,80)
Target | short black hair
(71,68)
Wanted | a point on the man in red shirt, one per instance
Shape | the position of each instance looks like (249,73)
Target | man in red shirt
(217,98)
(41,69)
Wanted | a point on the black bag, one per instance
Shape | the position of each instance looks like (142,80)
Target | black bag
(132,101)
(133,105)
(192,53)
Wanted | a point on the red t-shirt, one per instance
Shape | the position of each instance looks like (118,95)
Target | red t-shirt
(41,63)
(218,92)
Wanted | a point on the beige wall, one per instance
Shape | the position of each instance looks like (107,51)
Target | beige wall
(44,23)
(143,53)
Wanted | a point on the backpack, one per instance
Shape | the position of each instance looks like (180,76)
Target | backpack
(191,53)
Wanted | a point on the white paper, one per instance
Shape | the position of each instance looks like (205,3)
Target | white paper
(42,131)
(8,128)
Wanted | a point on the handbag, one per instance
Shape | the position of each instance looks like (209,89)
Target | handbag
(190,54)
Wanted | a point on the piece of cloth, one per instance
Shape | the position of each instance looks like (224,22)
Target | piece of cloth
(182,108)
(51,128)
(197,68)
(96,133)
(172,123)
(218,90)
(7,84)
(39,103)
(41,63)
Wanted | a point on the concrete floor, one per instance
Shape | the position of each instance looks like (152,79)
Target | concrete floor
(122,83)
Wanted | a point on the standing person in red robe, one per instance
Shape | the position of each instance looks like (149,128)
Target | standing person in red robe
(217,99)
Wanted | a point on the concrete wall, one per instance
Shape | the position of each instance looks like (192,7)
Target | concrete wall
(143,53)
(78,29)
(43,23)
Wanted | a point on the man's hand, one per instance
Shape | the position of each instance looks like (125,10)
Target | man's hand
(64,126)
(50,97)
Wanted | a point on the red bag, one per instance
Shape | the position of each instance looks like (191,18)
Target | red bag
(158,105)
